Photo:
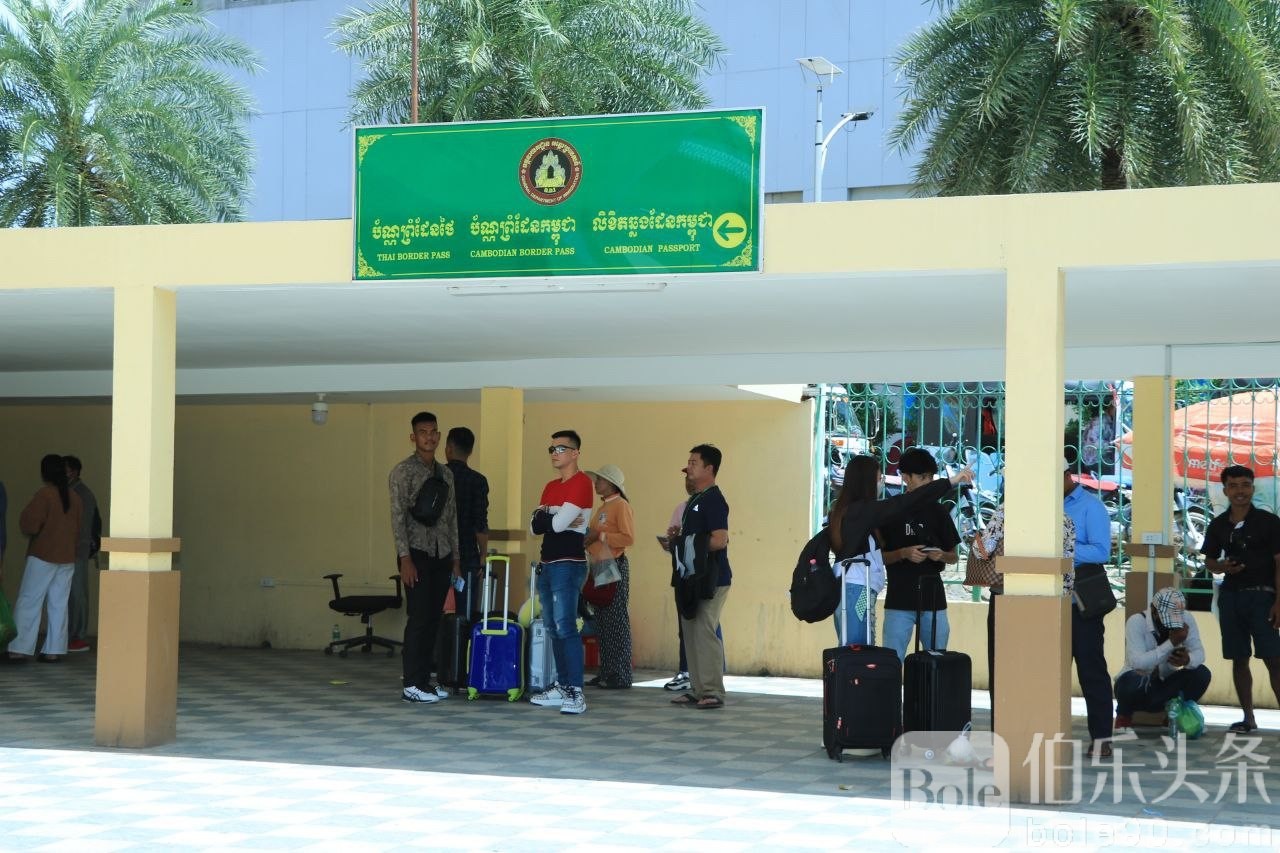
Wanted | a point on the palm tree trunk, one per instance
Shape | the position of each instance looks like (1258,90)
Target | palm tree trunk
(1112,172)
(413,61)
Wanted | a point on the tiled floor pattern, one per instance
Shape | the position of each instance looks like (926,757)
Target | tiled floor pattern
(296,750)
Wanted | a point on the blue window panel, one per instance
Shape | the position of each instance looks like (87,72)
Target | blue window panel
(294,70)
(262,29)
(866,29)
(827,30)
(329,164)
(267,203)
(750,35)
(328,71)
(294,168)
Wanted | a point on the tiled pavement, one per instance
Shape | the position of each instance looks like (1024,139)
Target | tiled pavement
(295,750)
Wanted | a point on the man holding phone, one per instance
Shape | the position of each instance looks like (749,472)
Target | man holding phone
(1244,545)
(1163,659)
(916,550)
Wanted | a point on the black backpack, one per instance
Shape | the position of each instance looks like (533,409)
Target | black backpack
(815,590)
(429,505)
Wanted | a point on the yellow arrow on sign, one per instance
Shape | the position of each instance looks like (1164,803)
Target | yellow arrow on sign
(729,230)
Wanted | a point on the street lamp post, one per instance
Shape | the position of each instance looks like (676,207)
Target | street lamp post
(825,71)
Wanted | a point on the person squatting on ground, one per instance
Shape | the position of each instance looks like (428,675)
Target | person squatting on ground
(703,540)
(612,530)
(916,550)
(428,553)
(52,520)
(86,548)
(561,521)
(1163,658)
(1243,544)
(857,513)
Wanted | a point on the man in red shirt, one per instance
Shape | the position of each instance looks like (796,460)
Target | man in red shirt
(561,521)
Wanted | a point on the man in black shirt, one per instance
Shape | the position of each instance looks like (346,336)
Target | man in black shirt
(1244,544)
(915,551)
(472,495)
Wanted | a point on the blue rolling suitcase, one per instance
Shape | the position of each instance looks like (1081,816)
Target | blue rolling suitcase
(496,661)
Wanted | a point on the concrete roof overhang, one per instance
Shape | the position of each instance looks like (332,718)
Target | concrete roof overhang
(1181,279)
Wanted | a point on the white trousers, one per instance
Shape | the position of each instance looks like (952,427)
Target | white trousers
(44,586)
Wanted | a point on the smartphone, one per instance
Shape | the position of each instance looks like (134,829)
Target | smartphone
(931,549)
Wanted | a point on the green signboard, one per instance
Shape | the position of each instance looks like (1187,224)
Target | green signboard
(650,194)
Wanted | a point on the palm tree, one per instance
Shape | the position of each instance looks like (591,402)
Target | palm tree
(113,112)
(487,59)
(1051,95)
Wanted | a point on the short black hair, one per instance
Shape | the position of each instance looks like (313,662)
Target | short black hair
(710,455)
(917,460)
(569,434)
(73,462)
(462,439)
(1236,471)
(422,418)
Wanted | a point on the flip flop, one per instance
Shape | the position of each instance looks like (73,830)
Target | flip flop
(1243,727)
(684,699)
(708,703)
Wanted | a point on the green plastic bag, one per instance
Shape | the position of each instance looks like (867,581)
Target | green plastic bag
(8,628)
(1186,717)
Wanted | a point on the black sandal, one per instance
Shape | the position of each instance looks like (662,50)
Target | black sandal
(684,699)
(1243,727)
(708,702)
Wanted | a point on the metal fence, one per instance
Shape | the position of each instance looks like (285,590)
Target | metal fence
(1215,423)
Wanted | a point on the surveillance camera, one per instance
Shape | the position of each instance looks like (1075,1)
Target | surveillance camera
(319,411)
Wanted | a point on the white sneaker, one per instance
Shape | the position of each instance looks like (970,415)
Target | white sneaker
(413,694)
(441,692)
(552,697)
(574,701)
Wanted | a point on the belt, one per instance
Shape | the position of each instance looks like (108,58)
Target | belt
(1270,589)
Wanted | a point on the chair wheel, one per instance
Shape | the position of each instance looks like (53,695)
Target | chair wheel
(328,650)
(342,654)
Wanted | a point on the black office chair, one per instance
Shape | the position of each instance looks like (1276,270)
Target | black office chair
(364,606)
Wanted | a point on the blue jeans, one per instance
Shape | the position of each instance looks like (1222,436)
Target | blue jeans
(898,625)
(559,584)
(858,598)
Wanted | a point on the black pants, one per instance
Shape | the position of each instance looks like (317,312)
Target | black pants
(424,605)
(1136,692)
(1087,636)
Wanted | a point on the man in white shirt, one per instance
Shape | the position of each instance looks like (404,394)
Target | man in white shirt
(1163,658)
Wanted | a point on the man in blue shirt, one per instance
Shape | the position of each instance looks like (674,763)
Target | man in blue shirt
(1093,549)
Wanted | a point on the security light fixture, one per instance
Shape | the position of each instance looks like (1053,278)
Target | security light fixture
(319,411)
(826,71)
(821,67)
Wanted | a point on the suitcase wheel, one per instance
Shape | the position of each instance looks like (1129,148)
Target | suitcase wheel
(342,654)
(884,751)
(472,695)
(514,694)
(928,755)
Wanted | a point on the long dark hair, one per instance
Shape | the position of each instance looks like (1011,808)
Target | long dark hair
(861,483)
(54,472)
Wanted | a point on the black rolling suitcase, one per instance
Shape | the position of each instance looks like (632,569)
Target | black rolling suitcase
(451,647)
(861,693)
(937,686)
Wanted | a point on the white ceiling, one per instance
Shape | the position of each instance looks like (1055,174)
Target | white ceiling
(694,339)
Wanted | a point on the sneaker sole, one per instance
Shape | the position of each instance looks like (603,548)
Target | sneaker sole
(573,711)
(550,703)
(404,698)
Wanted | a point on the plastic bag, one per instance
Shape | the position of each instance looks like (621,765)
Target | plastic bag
(8,628)
(1186,717)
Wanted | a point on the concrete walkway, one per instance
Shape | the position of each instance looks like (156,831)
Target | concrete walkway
(295,750)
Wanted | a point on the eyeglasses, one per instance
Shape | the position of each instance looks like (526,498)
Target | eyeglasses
(557,449)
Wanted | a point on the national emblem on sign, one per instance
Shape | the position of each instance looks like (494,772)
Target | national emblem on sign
(550,171)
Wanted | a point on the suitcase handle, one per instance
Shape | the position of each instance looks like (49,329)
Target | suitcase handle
(933,633)
(489,560)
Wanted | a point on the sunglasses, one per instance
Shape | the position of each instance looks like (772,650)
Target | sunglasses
(557,449)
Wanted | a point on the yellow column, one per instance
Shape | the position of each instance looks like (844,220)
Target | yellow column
(137,680)
(1033,624)
(1151,546)
(500,457)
